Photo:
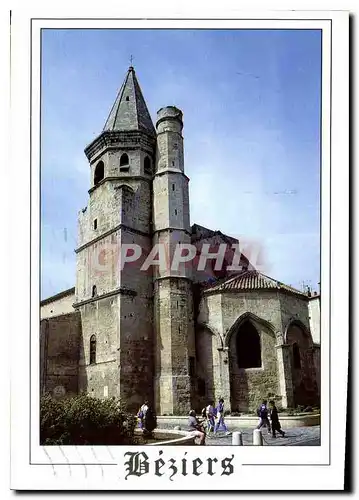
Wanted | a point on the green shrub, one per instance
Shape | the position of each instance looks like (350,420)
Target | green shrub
(84,420)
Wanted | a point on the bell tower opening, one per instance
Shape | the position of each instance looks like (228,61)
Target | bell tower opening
(99,172)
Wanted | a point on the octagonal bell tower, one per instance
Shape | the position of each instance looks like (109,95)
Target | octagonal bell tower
(115,301)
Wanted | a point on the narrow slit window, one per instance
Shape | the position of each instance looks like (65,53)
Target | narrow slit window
(173,187)
(93,350)
(147,165)
(95,224)
(94,291)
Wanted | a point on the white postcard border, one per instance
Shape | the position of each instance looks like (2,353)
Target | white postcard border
(59,460)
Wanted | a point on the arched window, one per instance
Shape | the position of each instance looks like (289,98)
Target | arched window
(296,357)
(94,291)
(147,165)
(248,346)
(124,162)
(93,349)
(99,172)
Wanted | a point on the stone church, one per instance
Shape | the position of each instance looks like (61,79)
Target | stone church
(177,337)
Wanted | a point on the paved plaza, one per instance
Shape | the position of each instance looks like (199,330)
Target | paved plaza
(296,436)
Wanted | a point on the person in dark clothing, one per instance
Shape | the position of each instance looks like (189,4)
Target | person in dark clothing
(263,416)
(275,420)
(149,420)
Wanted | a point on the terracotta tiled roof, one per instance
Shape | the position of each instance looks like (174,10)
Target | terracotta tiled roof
(251,280)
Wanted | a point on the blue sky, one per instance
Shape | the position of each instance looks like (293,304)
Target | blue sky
(251,105)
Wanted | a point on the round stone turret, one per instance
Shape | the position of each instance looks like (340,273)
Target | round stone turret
(169,119)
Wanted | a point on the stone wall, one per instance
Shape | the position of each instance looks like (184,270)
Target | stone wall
(222,314)
(99,318)
(206,346)
(297,329)
(174,345)
(60,350)
(293,307)
(62,303)
(314,318)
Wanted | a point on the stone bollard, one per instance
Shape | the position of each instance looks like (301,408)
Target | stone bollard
(257,437)
(237,439)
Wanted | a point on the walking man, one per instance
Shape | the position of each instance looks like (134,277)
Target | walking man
(275,420)
(220,415)
(263,416)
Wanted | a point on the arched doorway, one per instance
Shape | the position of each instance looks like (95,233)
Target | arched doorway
(305,390)
(248,346)
(252,362)
(252,357)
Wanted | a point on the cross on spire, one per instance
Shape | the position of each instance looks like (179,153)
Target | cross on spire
(131,60)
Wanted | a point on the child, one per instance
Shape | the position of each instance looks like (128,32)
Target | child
(220,416)
(275,420)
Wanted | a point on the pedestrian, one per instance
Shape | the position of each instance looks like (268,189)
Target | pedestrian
(195,427)
(141,414)
(140,417)
(220,416)
(149,421)
(210,415)
(262,413)
(275,420)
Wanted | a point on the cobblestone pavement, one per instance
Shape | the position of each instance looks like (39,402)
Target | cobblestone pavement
(296,436)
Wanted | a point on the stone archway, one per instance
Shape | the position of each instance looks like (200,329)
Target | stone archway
(305,388)
(252,360)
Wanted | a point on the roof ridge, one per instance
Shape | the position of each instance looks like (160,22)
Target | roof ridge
(122,89)
(283,284)
(252,279)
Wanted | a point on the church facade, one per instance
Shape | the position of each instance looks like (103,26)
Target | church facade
(175,335)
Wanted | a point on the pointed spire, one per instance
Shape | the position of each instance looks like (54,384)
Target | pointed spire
(129,111)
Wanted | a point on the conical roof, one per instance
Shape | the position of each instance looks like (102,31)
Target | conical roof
(129,111)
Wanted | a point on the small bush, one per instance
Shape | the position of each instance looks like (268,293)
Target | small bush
(84,420)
